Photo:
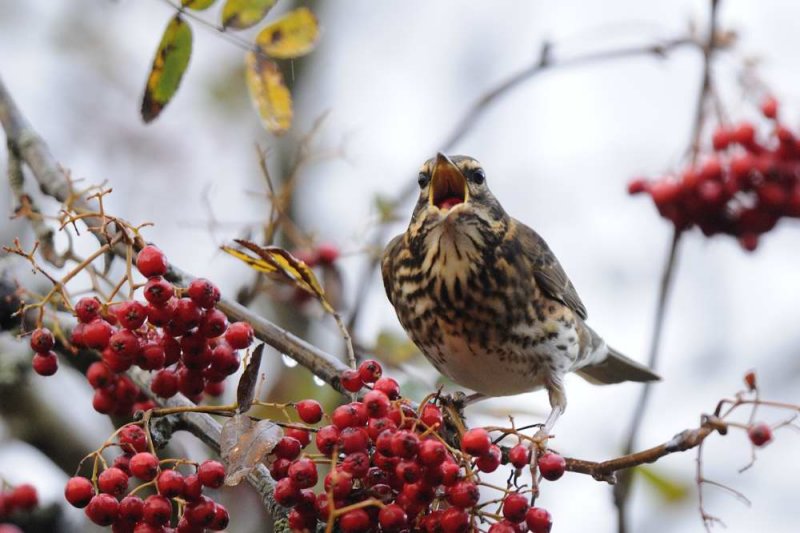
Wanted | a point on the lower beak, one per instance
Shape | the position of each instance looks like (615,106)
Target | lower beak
(448,184)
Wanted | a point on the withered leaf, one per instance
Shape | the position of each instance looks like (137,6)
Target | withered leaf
(197,5)
(292,35)
(169,65)
(282,265)
(244,444)
(241,14)
(269,94)
(246,391)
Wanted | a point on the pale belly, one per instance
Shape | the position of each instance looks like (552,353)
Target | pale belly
(505,368)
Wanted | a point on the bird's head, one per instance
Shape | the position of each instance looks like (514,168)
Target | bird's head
(454,189)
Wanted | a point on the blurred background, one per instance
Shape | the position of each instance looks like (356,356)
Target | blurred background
(392,80)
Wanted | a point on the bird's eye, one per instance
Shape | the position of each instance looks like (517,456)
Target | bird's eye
(478,176)
(423,180)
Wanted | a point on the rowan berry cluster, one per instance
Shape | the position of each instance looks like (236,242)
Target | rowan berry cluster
(107,502)
(392,469)
(20,499)
(177,333)
(742,189)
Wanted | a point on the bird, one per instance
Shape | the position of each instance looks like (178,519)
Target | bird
(485,299)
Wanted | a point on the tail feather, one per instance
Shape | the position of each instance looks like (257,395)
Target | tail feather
(616,368)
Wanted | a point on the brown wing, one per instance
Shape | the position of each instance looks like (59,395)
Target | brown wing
(547,271)
(387,264)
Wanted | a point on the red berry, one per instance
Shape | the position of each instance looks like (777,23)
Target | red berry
(552,466)
(377,403)
(515,506)
(144,465)
(476,442)
(45,364)
(393,518)
(133,439)
(388,386)
(224,359)
(721,138)
(131,509)
(376,426)
(286,492)
(239,335)
(340,482)
(104,401)
(408,471)
(42,340)
(158,291)
(450,473)
(78,491)
(665,192)
(187,314)
(192,488)
(749,241)
(88,309)
(538,520)
(357,464)
(744,133)
(211,474)
(347,415)
(131,314)
(519,456)
(370,371)
(98,375)
(161,315)
(97,333)
(23,497)
(157,510)
(353,439)
(300,434)
(299,521)
(355,521)
(463,494)
(454,520)
(303,473)
(213,324)
(760,434)
(170,483)
(204,293)
(431,415)
(327,253)
(164,383)
(489,461)
(405,444)
(201,513)
(151,262)
(326,439)
(124,343)
(769,107)
(637,186)
(351,380)
(309,411)
(102,509)
(113,481)
(432,452)
(287,448)
(221,518)
(504,527)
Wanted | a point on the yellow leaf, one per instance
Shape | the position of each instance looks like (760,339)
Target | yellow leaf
(283,265)
(197,5)
(292,35)
(241,14)
(169,64)
(269,95)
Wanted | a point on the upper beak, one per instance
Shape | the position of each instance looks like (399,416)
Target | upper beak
(448,184)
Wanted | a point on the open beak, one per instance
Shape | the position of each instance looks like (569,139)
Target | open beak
(448,184)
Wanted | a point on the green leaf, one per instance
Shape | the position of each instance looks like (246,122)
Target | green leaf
(197,5)
(169,64)
(670,490)
(269,94)
(241,14)
(292,35)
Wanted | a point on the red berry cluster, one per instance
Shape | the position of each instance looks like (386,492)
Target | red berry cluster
(22,498)
(177,333)
(742,189)
(106,503)
(392,470)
